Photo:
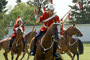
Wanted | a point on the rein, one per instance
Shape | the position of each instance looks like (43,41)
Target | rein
(52,42)
(67,39)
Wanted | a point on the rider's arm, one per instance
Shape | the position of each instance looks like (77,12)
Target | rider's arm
(23,28)
(58,19)
(41,18)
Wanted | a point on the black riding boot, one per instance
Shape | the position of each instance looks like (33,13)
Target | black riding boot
(10,43)
(57,56)
(24,45)
(34,48)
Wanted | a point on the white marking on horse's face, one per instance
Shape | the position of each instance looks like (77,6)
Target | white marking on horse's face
(58,27)
(21,29)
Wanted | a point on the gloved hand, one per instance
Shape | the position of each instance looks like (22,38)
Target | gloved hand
(16,28)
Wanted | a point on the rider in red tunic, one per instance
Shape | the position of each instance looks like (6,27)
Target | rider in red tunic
(48,18)
(18,23)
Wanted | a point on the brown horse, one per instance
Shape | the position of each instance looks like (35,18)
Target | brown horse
(45,47)
(65,42)
(17,45)
(4,44)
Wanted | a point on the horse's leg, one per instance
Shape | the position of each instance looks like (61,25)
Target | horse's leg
(28,54)
(23,56)
(73,55)
(77,56)
(12,53)
(68,52)
(5,55)
(17,56)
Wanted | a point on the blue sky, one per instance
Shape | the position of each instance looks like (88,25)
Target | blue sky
(61,6)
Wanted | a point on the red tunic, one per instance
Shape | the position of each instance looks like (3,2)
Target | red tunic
(62,31)
(49,22)
(15,26)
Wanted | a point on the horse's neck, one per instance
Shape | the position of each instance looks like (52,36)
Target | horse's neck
(67,37)
(18,39)
(46,40)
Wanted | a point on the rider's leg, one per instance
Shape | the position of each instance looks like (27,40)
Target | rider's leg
(23,44)
(38,35)
(10,43)
(55,50)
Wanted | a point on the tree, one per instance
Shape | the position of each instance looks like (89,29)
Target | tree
(80,16)
(38,4)
(3,22)
(74,1)
(25,11)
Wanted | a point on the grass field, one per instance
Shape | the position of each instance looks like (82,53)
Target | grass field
(85,56)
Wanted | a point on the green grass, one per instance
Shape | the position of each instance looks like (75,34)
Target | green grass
(85,56)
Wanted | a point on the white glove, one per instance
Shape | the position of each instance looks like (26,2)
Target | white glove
(21,29)
(64,29)
(16,28)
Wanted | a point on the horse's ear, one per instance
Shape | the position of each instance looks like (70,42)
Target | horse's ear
(74,25)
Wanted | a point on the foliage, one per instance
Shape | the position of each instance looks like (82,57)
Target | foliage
(38,4)
(25,11)
(3,22)
(74,1)
(81,16)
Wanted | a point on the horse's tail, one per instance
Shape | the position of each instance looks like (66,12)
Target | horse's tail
(80,47)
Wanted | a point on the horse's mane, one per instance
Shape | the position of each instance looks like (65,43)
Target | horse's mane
(69,28)
(5,39)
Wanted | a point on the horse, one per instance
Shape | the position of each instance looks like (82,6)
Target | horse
(77,47)
(28,38)
(45,45)
(4,44)
(67,38)
(17,45)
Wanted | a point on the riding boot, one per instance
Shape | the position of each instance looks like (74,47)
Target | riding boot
(57,56)
(34,48)
(10,43)
(23,44)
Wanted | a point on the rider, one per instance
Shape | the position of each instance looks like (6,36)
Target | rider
(18,23)
(48,18)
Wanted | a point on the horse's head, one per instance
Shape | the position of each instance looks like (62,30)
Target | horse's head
(73,30)
(55,31)
(19,31)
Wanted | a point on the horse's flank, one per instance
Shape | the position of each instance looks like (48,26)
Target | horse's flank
(4,43)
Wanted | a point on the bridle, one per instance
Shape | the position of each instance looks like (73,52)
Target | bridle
(20,33)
